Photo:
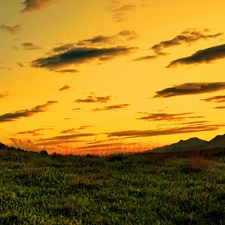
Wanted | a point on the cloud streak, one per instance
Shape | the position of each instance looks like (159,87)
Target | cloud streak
(190,89)
(168,116)
(65,87)
(112,107)
(220,98)
(207,55)
(81,55)
(34,5)
(12,30)
(93,99)
(11,117)
(175,130)
(186,37)
(29,46)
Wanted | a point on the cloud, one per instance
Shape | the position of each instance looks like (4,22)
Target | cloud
(219,107)
(188,36)
(207,55)
(75,109)
(93,99)
(29,46)
(176,130)
(119,14)
(10,117)
(65,87)
(220,98)
(122,36)
(33,132)
(112,107)
(73,130)
(4,94)
(34,5)
(67,71)
(189,89)
(12,30)
(67,137)
(168,116)
(81,55)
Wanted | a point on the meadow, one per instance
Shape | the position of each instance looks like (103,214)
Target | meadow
(118,189)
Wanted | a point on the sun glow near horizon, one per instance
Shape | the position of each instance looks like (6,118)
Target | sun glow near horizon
(128,72)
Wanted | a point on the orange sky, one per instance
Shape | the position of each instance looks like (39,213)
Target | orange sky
(83,76)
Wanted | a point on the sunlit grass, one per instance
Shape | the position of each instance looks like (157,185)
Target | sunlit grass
(113,189)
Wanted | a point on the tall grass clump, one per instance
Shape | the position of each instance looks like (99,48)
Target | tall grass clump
(199,164)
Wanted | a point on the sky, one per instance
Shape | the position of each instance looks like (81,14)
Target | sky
(110,75)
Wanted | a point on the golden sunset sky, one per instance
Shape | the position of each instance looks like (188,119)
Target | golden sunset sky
(85,75)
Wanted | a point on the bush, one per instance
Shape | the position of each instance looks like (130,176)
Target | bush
(199,164)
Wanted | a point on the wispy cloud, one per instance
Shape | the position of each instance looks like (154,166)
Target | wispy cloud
(219,107)
(176,130)
(35,132)
(168,116)
(93,99)
(10,117)
(34,5)
(122,36)
(29,46)
(67,71)
(207,55)
(119,14)
(12,30)
(81,55)
(112,107)
(65,87)
(188,36)
(219,98)
(73,130)
(4,94)
(190,89)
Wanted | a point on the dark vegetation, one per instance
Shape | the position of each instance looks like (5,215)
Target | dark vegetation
(37,188)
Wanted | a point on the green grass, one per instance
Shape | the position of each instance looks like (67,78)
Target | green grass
(41,189)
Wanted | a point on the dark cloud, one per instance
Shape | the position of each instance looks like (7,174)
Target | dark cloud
(175,130)
(188,36)
(81,55)
(29,46)
(10,117)
(34,5)
(67,71)
(65,87)
(12,30)
(112,107)
(168,116)
(189,89)
(93,99)
(207,55)
(63,48)
(220,98)
(124,35)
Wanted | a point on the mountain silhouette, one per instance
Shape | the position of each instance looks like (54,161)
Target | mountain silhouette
(193,144)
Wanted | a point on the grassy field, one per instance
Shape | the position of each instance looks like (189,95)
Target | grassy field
(54,189)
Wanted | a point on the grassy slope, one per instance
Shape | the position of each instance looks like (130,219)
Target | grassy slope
(41,189)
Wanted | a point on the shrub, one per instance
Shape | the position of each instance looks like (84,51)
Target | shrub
(199,163)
